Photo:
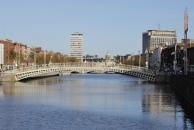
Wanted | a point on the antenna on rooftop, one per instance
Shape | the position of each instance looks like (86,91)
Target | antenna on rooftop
(158,26)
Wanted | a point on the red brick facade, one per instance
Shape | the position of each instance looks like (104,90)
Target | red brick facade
(8,47)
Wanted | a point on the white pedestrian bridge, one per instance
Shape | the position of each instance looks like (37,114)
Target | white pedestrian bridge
(36,71)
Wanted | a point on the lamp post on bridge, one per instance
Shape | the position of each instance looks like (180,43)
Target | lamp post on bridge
(50,62)
(147,58)
(45,56)
(18,55)
(175,59)
(34,55)
(132,60)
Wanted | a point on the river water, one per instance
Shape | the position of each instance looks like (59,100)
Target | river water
(90,102)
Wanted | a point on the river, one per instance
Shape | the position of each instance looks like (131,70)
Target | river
(90,102)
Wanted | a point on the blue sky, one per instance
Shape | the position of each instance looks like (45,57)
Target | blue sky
(113,26)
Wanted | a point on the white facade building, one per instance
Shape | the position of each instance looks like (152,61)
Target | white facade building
(76,46)
(152,39)
(155,59)
(1,54)
(109,61)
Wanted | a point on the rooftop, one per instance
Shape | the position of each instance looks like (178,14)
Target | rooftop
(77,33)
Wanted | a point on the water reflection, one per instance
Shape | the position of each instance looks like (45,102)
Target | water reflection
(157,100)
(130,99)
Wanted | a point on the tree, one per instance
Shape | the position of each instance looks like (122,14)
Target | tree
(12,56)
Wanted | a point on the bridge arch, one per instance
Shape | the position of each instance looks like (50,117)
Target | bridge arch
(92,72)
(110,72)
(75,72)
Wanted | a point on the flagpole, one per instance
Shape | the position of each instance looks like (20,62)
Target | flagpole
(185,41)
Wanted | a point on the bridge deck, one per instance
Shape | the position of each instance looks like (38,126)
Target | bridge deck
(57,69)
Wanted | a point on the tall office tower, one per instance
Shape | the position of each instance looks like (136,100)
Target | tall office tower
(76,46)
(154,38)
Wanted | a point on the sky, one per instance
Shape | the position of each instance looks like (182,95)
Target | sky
(113,26)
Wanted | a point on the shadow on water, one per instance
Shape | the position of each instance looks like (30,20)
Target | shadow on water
(38,78)
(75,72)
(188,110)
(185,107)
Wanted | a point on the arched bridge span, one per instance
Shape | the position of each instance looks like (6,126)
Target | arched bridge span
(60,69)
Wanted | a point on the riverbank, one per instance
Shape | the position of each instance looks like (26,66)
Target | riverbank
(182,85)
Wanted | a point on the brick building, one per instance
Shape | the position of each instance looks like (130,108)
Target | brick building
(8,49)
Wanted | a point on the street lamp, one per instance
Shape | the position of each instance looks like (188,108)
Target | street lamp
(44,57)
(18,55)
(50,62)
(175,59)
(133,59)
(123,60)
(34,54)
(147,58)
(120,60)
(139,60)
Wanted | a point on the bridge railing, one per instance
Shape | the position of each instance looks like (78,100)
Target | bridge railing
(135,68)
(57,65)
(54,65)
